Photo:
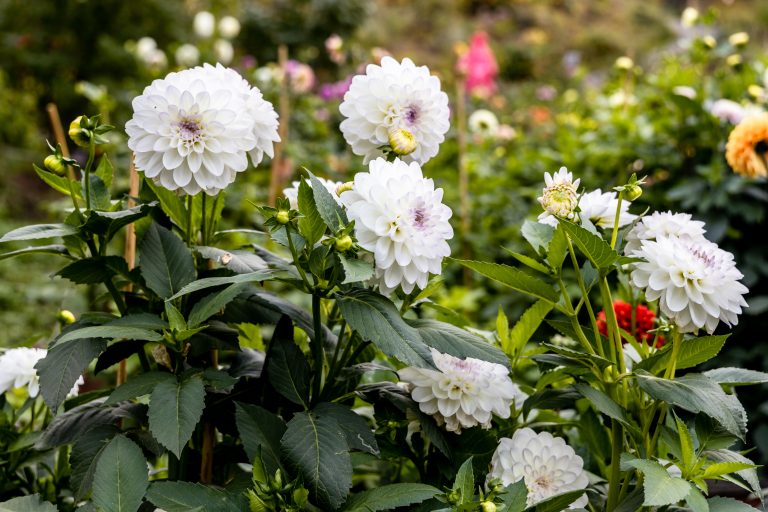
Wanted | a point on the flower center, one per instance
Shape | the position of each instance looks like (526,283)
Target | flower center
(189,130)
(411,114)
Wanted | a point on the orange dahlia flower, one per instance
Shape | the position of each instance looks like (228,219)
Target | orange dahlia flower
(747,147)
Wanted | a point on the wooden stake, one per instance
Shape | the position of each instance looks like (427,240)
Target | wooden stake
(284,111)
(464,207)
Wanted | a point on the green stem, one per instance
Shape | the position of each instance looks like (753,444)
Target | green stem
(190,206)
(585,296)
(74,199)
(295,256)
(614,487)
(677,340)
(317,345)
(575,321)
(613,327)
(203,225)
(87,173)
(616,218)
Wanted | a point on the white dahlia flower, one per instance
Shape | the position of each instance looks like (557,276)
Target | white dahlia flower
(17,370)
(229,27)
(599,208)
(204,24)
(292,193)
(546,463)
(696,283)
(663,224)
(560,194)
(187,55)
(395,96)
(399,217)
(194,129)
(461,393)
(483,122)
(224,51)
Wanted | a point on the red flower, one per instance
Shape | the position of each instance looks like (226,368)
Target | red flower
(644,322)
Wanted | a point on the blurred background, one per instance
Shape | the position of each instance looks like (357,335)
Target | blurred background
(604,87)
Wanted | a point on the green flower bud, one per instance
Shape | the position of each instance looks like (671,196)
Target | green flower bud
(300,497)
(283,217)
(488,506)
(343,244)
(344,187)
(65,317)
(55,164)
(402,142)
(78,134)
(633,192)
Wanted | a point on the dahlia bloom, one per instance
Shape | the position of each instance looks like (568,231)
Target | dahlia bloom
(599,208)
(747,146)
(644,322)
(17,370)
(194,129)
(663,224)
(400,218)
(479,66)
(464,392)
(292,193)
(560,195)
(546,463)
(395,95)
(696,283)
(483,122)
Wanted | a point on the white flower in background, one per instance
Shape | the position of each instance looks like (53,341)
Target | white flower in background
(229,27)
(292,193)
(738,38)
(732,112)
(689,17)
(599,208)
(546,463)
(464,392)
(266,75)
(685,91)
(17,370)
(560,195)
(224,51)
(204,24)
(483,122)
(696,283)
(187,55)
(145,47)
(399,217)
(663,224)
(194,129)
(395,96)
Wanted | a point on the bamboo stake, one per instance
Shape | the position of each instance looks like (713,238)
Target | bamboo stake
(464,208)
(130,248)
(58,134)
(284,110)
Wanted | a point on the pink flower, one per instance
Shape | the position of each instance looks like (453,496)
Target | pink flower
(479,66)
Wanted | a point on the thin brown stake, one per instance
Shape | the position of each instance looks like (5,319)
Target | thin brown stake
(284,110)
(461,130)
(58,134)
(130,249)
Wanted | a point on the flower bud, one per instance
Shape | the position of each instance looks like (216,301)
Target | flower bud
(739,39)
(709,41)
(344,187)
(488,506)
(632,192)
(689,17)
(624,63)
(300,496)
(283,217)
(78,134)
(55,164)
(734,60)
(65,317)
(402,142)
(756,91)
(343,244)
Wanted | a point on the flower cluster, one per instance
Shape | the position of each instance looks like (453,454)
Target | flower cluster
(17,370)
(644,321)
(390,97)
(546,463)
(696,282)
(464,392)
(194,130)
(400,218)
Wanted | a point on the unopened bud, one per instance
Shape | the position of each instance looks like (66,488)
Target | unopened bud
(283,217)
(488,506)
(734,60)
(343,244)
(78,134)
(756,91)
(402,142)
(739,39)
(624,63)
(65,317)
(709,41)
(633,192)
(689,17)
(55,164)
(344,187)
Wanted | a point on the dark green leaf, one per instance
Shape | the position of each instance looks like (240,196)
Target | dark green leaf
(557,249)
(723,504)
(605,404)
(592,246)
(311,224)
(209,282)
(105,171)
(101,199)
(139,385)
(749,475)
(315,448)
(174,410)
(287,367)
(55,249)
(188,496)
(557,502)
(31,503)
(356,430)
(238,261)
(527,325)
(528,261)
(464,483)
(515,497)
(108,332)
(355,270)
(109,223)
(514,278)
(737,376)
(660,488)
(140,321)
(67,427)
(693,351)
(63,365)
(171,203)
(260,429)
(166,263)
(449,339)
(389,497)
(332,214)
(212,304)
(58,183)
(39,231)
(376,319)
(121,478)
(85,455)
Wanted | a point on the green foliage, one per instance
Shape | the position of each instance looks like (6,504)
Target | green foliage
(390,496)
(120,480)
(166,263)
(175,408)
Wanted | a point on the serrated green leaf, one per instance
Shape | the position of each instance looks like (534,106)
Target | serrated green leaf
(108,332)
(659,487)
(101,199)
(260,429)
(105,171)
(138,385)
(31,503)
(696,501)
(592,246)
(388,497)
(316,449)
(605,404)
(39,231)
(515,497)
(528,261)
(120,480)
(449,339)
(355,270)
(737,376)
(85,455)
(693,351)
(171,203)
(723,504)
(287,367)
(686,444)
(332,214)
(527,325)
(557,502)
(723,468)
(514,278)
(464,482)
(749,475)
(188,496)
(54,249)
(358,433)
(696,393)
(557,249)
(238,261)
(212,304)
(311,224)
(63,365)
(166,263)
(376,319)
(174,411)
(537,234)
(209,282)
(141,321)
(59,183)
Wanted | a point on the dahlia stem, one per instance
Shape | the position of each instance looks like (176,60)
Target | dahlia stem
(190,206)
(585,296)
(614,334)
(87,172)
(317,346)
(677,340)
(615,232)
(574,320)
(614,488)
